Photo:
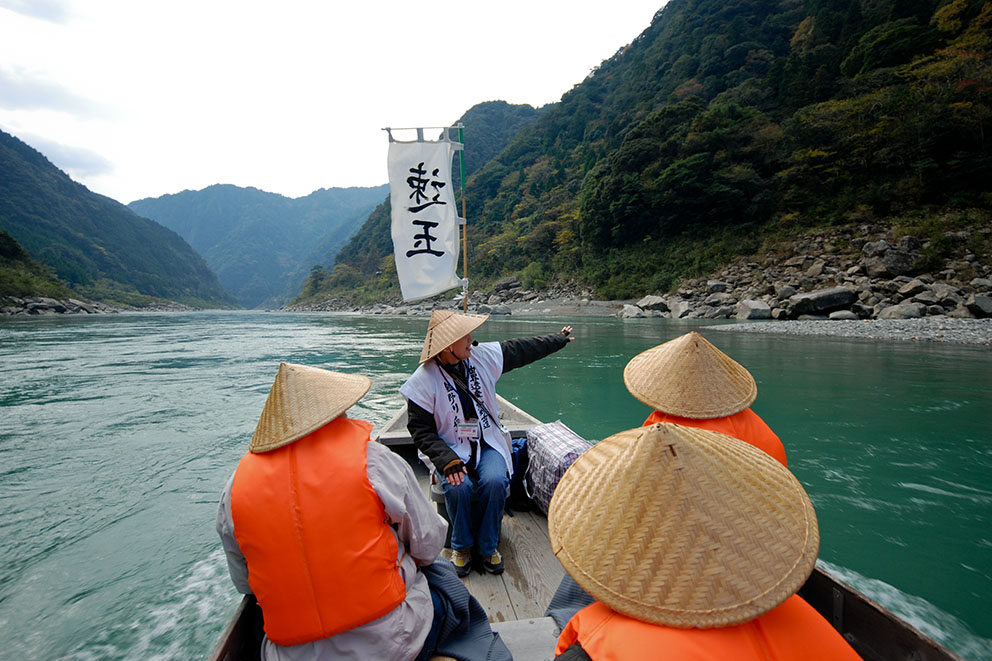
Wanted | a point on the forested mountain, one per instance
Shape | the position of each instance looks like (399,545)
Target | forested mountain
(98,247)
(262,245)
(727,121)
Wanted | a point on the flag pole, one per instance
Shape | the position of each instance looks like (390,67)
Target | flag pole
(461,168)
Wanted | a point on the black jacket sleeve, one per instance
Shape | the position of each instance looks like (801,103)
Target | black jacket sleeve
(420,423)
(574,652)
(525,350)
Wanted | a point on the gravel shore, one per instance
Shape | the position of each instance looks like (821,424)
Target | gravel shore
(926,329)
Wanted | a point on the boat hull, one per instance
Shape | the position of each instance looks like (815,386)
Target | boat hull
(874,633)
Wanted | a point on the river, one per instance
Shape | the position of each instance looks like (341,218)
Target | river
(117,433)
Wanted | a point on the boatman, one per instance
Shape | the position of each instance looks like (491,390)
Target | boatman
(453,418)
(334,537)
(693,544)
(688,381)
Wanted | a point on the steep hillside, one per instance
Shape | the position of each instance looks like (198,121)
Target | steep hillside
(98,247)
(262,245)
(22,276)
(729,121)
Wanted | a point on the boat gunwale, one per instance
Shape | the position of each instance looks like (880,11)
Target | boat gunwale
(848,611)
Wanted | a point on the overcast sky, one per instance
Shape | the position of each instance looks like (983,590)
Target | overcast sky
(139,98)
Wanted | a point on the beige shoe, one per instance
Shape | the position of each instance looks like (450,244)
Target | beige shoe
(462,560)
(494,563)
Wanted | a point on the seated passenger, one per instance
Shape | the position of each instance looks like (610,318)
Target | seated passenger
(692,545)
(334,537)
(689,382)
(453,418)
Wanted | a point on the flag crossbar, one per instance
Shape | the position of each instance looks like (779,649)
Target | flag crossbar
(446,137)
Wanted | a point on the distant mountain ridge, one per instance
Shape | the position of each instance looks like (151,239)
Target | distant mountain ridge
(262,245)
(95,245)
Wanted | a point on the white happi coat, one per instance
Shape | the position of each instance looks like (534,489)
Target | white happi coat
(433,390)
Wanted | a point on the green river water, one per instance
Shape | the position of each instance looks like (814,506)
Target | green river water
(117,433)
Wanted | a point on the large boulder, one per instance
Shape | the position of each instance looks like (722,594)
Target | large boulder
(822,300)
(912,288)
(722,312)
(680,307)
(893,263)
(875,248)
(81,306)
(713,286)
(652,302)
(881,259)
(862,311)
(979,305)
(631,312)
(903,311)
(506,284)
(927,298)
(751,309)
(785,292)
(718,299)
(816,270)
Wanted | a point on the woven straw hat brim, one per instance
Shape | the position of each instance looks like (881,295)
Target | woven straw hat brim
(690,378)
(302,400)
(447,327)
(683,527)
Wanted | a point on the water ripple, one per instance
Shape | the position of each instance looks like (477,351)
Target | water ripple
(117,433)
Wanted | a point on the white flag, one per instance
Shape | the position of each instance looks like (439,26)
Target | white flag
(424,217)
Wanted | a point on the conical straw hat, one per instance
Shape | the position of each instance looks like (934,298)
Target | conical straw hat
(302,400)
(445,328)
(690,378)
(683,527)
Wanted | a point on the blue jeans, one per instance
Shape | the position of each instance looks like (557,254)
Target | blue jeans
(478,525)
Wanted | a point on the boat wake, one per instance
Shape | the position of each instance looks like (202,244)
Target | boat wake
(942,627)
(176,627)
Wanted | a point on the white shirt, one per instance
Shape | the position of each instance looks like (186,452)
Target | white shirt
(430,388)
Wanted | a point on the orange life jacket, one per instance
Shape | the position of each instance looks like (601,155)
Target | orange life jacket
(791,631)
(744,425)
(321,556)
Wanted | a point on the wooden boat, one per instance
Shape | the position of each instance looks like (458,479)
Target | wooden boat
(516,599)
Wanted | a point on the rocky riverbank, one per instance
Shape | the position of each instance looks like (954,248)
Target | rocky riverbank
(847,273)
(507,296)
(12,306)
(926,329)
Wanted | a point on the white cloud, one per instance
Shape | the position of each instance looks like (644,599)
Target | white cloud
(79,163)
(287,97)
(24,92)
(56,11)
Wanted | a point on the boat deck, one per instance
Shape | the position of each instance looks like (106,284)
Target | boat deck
(515,600)
(531,574)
